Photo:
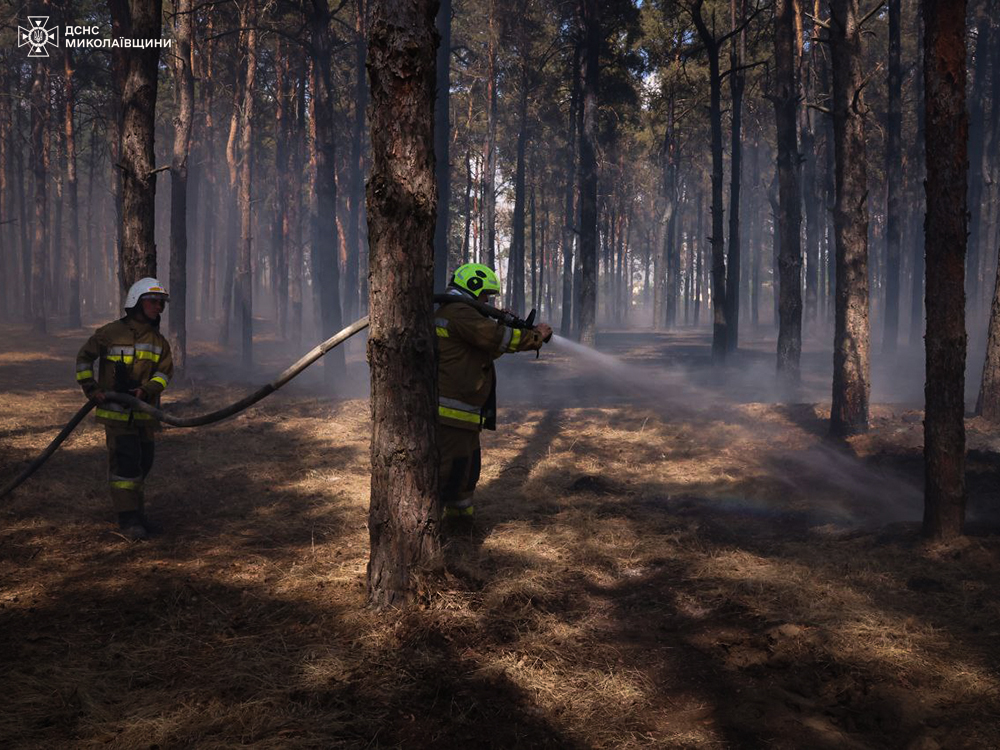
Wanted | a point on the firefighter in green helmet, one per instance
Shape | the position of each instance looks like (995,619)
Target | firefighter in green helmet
(468,342)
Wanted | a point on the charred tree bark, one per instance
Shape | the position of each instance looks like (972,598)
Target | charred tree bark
(184,97)
(138,19)
(894,179)
(720,331)
(789,215)
(851,370)
(945,227)
(590,15)
(402,197)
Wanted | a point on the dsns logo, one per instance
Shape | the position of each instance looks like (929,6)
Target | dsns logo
(38,37)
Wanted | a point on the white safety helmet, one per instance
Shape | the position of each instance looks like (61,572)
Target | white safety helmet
(142,287)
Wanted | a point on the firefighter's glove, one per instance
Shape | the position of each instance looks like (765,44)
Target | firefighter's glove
(546,330)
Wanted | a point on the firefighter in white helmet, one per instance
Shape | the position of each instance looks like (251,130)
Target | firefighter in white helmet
(129,355)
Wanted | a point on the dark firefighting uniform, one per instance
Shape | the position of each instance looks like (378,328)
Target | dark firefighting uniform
(468,342)
(130,355)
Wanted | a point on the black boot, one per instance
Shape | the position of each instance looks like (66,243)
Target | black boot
(131,525)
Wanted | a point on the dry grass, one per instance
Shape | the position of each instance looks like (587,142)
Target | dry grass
(638,576)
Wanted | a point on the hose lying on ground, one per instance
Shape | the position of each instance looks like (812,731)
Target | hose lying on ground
(215,416)
(244,403)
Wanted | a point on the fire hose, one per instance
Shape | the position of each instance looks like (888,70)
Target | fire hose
(305,361)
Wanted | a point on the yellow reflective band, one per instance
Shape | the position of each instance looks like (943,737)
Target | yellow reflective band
(126,358)
(158,379)
(441,332)
(462,416)
(125,485)
(514,340)
(106,414)
(147,355)
(85,375)
(142,415)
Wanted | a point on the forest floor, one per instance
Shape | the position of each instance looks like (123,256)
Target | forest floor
(661,557)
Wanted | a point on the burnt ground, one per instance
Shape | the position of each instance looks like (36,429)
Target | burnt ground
(663,557)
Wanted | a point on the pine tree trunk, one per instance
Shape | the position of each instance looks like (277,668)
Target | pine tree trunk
(590,10)
(39,124)
(720,332)
(184,97)
(325,240)
(894,179)
(785,100)
(490,145)
(402,196)
(243,287)
(569,218)
(851,370)
(139,19)
(73,230)
(977,136)
(442,131)
(515,275)
(356,168)
(737,83)
(945,227)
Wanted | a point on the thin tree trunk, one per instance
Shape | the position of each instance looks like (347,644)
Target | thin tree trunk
(73,230)
(39,123)
(789,198)
(945,227)
(851,370)
(720,333)
(490,147)
(569,220)
(403,516)
(441,143)
(977,136)
(244,273)
(894,179)
(737,83)
(184,97)
(356,169)
(325,241)
(590,10)
(515,275)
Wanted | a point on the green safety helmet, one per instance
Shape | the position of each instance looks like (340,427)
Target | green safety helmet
(475,278)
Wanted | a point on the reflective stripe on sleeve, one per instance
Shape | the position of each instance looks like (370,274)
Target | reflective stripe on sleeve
(442,333)
(81,366)
(515,340)
(85,375)
(161,378)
